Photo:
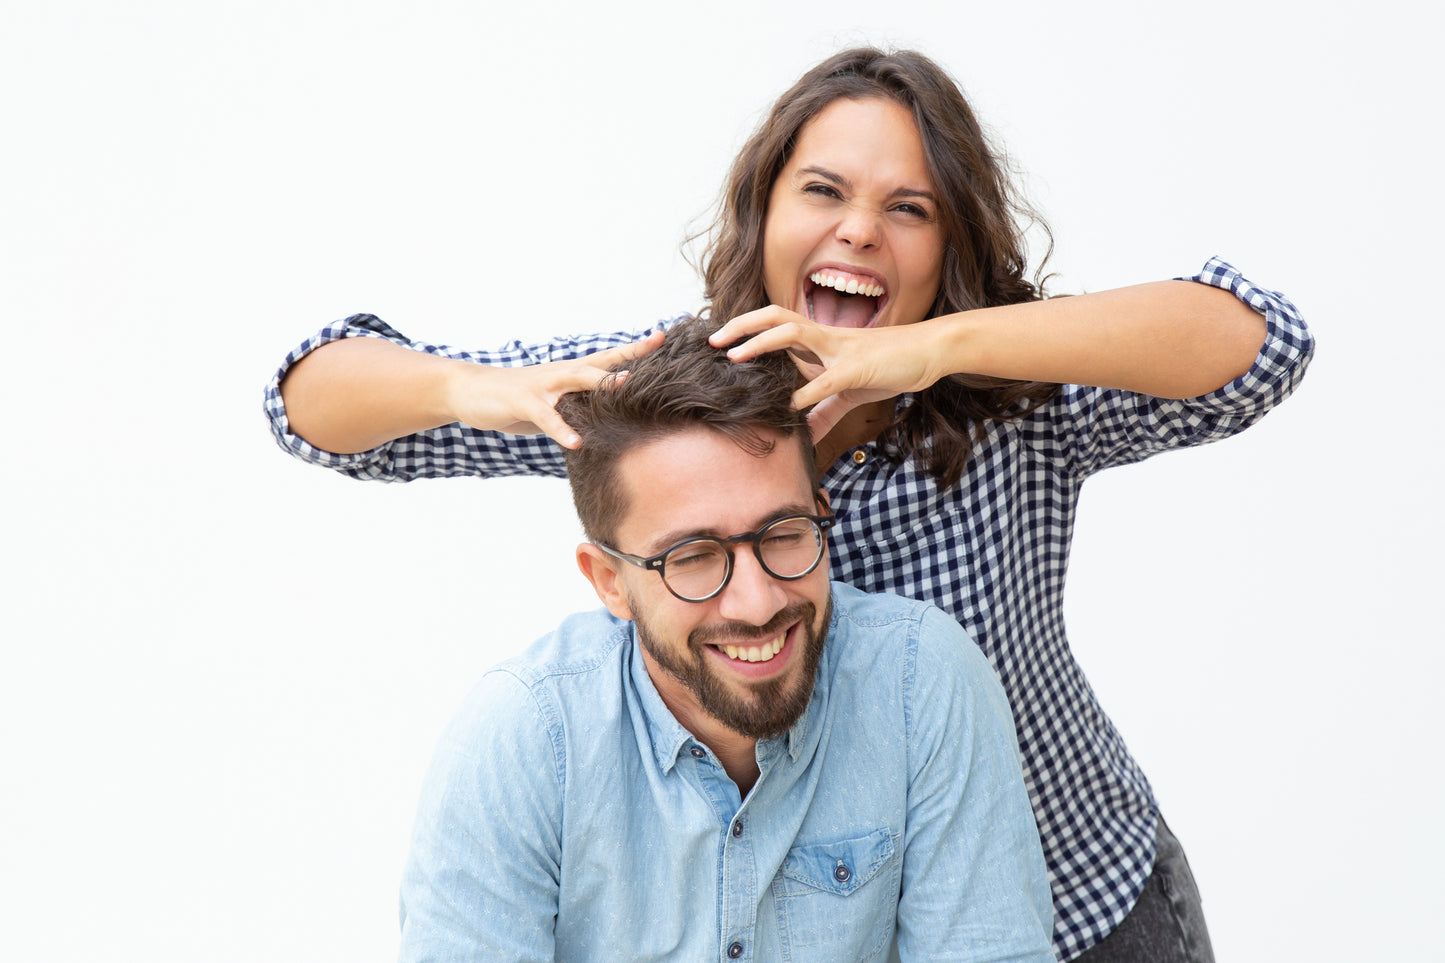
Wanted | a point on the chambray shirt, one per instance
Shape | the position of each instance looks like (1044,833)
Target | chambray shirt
(567,814)
(992,551)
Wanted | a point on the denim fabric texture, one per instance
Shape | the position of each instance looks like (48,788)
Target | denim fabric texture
(567,815)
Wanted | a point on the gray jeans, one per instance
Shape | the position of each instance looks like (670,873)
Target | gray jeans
(1166,925)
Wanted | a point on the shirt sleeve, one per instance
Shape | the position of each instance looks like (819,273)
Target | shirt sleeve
(975,887)
(483,876)
(451,450)
(1088,429)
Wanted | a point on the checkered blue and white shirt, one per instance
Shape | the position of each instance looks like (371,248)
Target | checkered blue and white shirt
(991,551)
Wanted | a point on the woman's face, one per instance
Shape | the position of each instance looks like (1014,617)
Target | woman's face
(852,236)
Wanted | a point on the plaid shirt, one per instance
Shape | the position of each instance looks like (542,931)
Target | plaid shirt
(992,552)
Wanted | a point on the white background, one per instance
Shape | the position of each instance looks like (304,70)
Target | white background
(224,671)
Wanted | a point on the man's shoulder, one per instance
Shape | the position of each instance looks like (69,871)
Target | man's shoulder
(871,609)
(581,662)
(583,645)
(921,634)
(873,617)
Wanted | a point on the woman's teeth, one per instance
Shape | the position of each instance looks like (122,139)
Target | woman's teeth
(846,285)
(755,653)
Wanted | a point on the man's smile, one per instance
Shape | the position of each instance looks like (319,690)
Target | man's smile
(763,658)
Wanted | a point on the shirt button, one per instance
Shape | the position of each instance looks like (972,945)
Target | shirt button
(842,873)
(697,752)
(860,456)
(735,951)
(738,829)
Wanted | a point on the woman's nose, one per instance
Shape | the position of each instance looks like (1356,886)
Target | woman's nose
(859,227)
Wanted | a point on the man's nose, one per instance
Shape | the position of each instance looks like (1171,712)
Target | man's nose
(752,596)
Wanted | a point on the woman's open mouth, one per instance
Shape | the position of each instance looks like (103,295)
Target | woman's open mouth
(842,299)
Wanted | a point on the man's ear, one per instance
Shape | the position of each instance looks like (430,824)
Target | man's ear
(602,570)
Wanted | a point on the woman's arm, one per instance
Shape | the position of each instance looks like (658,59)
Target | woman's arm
(1169,339)
(359,393)
(361,398)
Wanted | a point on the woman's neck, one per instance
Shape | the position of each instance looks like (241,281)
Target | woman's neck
(858,427)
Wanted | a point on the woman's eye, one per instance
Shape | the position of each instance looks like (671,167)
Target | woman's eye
(912,210)
(822,190)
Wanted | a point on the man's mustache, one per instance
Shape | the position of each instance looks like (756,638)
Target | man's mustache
(740,631)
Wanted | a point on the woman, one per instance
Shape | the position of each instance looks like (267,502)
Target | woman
(868,229)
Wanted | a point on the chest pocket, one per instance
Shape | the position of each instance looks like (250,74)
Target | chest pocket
(842,896)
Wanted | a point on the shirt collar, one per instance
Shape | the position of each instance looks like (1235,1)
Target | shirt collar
(667,735)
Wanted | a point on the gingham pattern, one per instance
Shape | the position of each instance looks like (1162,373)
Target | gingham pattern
(993,552)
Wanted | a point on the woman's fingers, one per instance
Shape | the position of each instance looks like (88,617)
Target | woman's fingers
(825,415)
(522,401)
(744,325)
(587,374)
(768,329)
(551,424)
(822,386)
(845,367)
(801,340)
(612,357)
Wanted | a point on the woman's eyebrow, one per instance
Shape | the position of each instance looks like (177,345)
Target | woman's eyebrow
(827,175)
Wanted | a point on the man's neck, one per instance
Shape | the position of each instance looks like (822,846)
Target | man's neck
(737,753)
(739,758)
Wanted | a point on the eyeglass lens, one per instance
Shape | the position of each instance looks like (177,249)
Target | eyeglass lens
(788,548)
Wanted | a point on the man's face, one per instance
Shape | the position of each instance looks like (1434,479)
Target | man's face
(697,482)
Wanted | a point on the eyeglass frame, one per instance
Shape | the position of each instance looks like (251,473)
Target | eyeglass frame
(656,562)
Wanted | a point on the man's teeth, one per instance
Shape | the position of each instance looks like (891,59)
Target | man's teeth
(755,653)
(846,285)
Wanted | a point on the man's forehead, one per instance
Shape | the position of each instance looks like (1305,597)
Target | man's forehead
(701,482)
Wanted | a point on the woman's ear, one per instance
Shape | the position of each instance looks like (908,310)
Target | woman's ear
(602,570)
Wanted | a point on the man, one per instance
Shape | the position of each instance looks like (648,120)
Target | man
(736,760)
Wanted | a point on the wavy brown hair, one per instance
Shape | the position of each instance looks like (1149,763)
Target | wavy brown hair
(686,383)
(980,214)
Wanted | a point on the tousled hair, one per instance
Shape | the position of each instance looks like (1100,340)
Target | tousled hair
(686,383)
(981,217)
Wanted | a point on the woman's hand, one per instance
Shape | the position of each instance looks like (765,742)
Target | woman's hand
(845,367)
(522,401)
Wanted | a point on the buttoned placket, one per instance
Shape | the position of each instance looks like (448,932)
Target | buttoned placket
(739,895)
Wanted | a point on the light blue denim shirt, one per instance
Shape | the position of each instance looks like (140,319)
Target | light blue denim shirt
(567,814)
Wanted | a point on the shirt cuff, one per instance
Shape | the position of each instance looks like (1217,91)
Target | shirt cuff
(360,464)
(1282,359)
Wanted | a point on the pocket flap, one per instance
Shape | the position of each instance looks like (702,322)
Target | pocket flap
(839,867)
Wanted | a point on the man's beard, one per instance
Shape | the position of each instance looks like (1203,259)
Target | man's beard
(764,709)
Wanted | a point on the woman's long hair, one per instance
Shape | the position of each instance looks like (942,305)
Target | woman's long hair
(980,216)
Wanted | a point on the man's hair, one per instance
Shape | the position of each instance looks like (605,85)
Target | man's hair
(687,383)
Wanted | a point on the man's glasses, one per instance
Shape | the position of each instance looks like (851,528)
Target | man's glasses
(698,569)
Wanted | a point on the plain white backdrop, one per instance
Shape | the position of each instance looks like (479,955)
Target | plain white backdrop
(224,671)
